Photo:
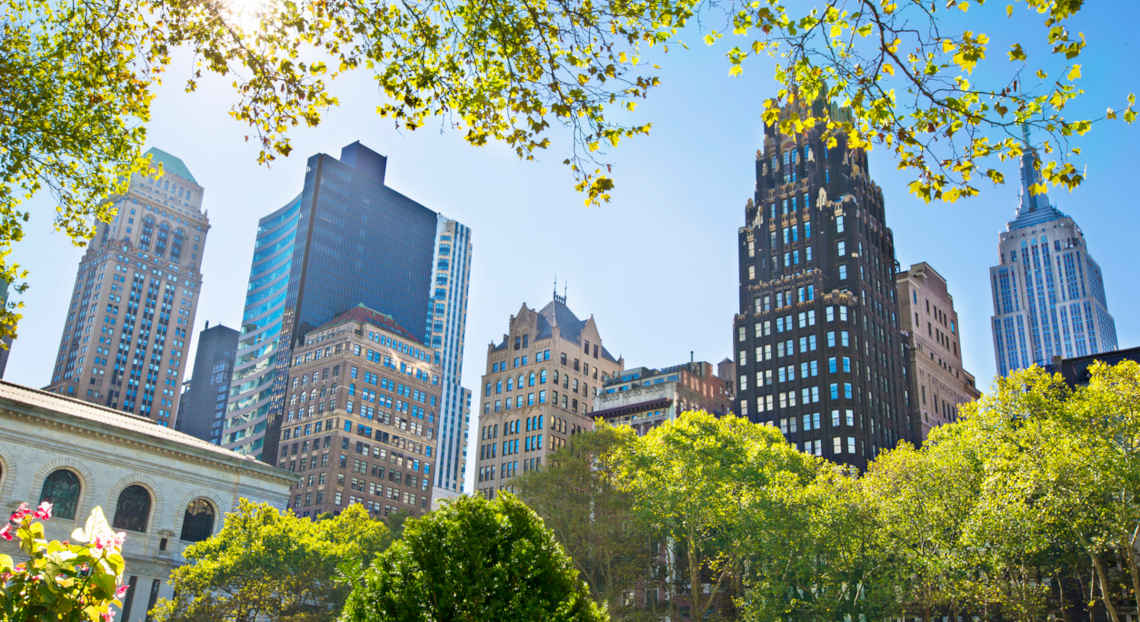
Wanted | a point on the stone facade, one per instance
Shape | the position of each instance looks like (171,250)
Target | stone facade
(126,335)
(108,453)
(538,390)
(362,416)
(939,382)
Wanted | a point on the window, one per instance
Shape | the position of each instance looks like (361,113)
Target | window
(61,489)
(841,248)
(198,521)
(842,272)
(132,512)
(839,224)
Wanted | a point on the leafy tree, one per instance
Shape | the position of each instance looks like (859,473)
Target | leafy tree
(815,556)
(610,545)
(80,79)
(73,581)
(473,560)
(706,483)
(269,565)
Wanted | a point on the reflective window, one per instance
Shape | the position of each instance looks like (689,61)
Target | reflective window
(132,511)
(61,489)
(198,521)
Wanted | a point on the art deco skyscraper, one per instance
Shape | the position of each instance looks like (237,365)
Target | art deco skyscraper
(136,292)
(818,348)
(347,239)
(1048,291)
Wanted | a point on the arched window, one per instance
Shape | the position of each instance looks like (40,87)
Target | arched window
(198,522)
(61,489)
(132,512)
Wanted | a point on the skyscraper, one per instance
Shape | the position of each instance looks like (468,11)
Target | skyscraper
(347,239)
(447,319)
(202,410)
(1048,291)
(136,291)
(538,390)
(818,348)
(7,345)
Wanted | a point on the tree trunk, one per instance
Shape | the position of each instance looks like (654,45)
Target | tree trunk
(696,611)
(1105,592)
(1130,559)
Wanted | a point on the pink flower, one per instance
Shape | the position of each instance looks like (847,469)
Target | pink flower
(20,513)
(122,590)
(120,537)
(108,615)
(44,511)
(6,532)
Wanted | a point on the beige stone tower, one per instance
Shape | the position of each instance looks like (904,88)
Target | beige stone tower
(136,292)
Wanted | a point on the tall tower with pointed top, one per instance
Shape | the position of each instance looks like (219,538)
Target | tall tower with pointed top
(1048,292)
(819,352)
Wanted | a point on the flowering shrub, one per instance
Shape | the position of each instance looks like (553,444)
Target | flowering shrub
(71,581)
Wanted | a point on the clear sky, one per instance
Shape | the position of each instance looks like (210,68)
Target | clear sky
(657,267)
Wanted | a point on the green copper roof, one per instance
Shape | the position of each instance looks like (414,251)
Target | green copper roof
(170,164)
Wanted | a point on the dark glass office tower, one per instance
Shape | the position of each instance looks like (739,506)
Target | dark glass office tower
(202,409)
(347,240)
(818,349)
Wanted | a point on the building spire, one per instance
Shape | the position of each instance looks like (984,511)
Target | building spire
(558,298)
(1030,176)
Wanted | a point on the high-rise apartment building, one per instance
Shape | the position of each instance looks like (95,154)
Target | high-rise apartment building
(930,324)
(644,398)
(1048,291)
(360,417)
(347,239)
(447,320)
(538,390)
(818,348)
(136,291)
(202,410)
(7,345)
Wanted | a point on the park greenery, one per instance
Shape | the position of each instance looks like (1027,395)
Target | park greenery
(1027,508)
(266,564)
(78,80)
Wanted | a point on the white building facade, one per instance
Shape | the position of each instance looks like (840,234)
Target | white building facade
(164,489)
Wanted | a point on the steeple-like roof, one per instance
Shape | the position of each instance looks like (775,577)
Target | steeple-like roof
(171,165)
(1032,209)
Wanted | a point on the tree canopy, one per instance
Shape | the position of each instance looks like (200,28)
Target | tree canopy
(474,560)
(271,565)
(615,551)
(80,77)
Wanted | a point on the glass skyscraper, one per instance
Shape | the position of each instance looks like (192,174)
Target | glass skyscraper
(446,324)
(1048,292)
(347,239)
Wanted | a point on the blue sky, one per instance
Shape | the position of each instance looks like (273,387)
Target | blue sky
(657,266)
